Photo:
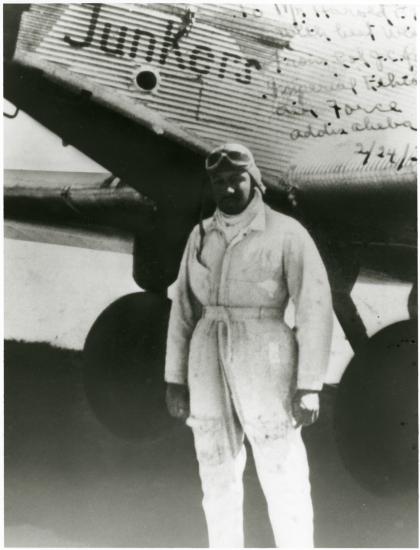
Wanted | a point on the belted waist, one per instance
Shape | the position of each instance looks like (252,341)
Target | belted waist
(238,313)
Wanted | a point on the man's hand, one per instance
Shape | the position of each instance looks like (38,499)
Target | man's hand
(178,401)
(305,407)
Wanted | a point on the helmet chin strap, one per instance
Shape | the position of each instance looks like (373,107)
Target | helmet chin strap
(251,193)
(200,222)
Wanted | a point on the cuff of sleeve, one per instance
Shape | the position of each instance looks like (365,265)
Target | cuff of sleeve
(175,378)
(309,384)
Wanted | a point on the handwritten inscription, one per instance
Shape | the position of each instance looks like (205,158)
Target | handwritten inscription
(398,161)
(390,80)
(349,108)
(374,58)
(392,22)
(328,129)
(371,52)
(277,88)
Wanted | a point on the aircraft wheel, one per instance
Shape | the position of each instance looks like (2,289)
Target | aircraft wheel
(376,411)
(412,304)
(123,365)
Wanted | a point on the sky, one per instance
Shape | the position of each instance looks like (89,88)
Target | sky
(30,146)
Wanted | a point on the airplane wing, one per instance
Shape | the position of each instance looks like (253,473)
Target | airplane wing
(75,209)
(82,237)
(272,78)
(62,198)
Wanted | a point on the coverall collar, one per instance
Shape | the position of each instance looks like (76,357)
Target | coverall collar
(257,223)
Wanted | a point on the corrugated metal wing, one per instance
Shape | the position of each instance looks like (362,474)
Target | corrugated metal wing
(310,90)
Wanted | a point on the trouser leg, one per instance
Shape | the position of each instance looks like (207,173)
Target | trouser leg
(223,501)
(284,475)
(221,455)
(218,440)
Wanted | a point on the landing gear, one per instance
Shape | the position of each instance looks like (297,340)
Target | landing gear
(124,352)
(376,411)
(124,357)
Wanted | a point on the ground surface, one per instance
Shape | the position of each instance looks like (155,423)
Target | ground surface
(69,482)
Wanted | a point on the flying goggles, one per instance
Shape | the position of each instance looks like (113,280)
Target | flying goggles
(237,157)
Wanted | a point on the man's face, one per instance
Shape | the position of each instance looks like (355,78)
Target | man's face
(231,190)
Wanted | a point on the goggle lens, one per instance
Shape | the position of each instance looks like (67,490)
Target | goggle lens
(213,159)
(237,158)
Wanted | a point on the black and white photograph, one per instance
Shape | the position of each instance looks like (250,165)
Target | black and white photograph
(210,275)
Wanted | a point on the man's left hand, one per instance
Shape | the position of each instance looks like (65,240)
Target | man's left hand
(305,407)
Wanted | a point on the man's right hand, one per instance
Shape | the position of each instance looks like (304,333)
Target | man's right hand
(178,401)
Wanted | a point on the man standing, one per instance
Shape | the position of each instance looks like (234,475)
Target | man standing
(233,367)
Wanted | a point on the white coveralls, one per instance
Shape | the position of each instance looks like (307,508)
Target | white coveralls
(228,341)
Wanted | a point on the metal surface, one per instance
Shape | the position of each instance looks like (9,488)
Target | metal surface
(270,77)
(103,204)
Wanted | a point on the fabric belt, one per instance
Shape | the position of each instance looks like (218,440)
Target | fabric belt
(237,313)
(226,314)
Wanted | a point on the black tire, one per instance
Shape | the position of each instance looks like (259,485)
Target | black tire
(123,365)
(376,411)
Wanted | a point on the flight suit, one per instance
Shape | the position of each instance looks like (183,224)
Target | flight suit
(228,341)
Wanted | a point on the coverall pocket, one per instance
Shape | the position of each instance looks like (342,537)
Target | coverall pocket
(209,440)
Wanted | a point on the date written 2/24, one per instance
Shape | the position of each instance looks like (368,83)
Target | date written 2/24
(398,160)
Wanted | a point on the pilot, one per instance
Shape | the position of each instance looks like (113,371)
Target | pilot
(234,368)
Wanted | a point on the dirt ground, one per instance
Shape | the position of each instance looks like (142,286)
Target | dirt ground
(71,483)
